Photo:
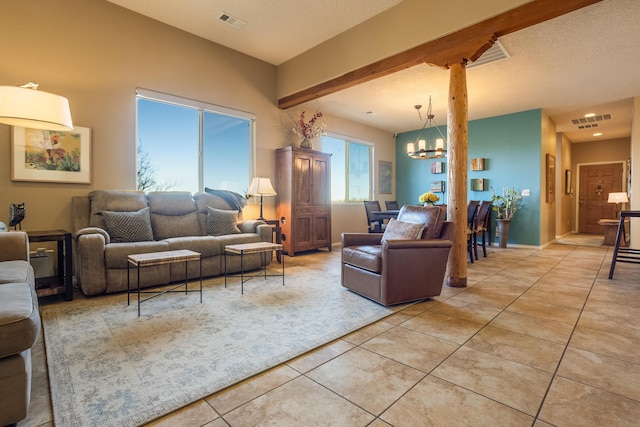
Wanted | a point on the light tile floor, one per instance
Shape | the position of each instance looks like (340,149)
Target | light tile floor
(538,338)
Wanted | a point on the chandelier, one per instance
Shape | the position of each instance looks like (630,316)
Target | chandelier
(429,148)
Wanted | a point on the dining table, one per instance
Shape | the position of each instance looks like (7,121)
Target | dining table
(380,216)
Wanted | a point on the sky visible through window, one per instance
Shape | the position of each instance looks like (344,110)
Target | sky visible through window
(169,134)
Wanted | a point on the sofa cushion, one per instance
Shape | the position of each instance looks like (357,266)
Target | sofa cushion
(128,226)
(368,257)
(398,230)
(15,271)
(19,318)
(115,254)
(207,246)
(114,200)
(221,222)
(173,214)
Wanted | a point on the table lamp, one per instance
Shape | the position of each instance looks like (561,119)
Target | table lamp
(261,187)
(618,198)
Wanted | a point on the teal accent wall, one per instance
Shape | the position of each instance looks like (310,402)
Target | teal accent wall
(511,148)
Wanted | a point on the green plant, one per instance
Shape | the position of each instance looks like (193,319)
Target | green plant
(507,204)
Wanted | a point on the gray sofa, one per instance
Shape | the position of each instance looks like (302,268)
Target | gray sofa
(19,326)
(178,220)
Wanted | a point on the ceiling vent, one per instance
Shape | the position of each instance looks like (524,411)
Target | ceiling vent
(590,122)
(232,20)
(494,54)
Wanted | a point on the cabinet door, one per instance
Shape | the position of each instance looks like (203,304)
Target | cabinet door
(303,231)
(321,184)
(322,230)
(303,179)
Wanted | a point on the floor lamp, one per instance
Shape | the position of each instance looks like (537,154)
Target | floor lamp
(261,187)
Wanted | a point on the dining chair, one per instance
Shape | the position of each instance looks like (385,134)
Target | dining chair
(483,229)
(472,225)
(391,205)
(374,225)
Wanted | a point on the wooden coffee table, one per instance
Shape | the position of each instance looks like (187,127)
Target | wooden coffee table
(158,258)
(251,248)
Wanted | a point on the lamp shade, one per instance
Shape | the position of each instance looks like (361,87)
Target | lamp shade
(261,187)
(21,106)
(618,198)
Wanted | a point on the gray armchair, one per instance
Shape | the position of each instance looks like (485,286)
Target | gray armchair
(397,271)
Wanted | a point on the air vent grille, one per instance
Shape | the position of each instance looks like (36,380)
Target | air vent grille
(590,122)
(232,20)
(493,54)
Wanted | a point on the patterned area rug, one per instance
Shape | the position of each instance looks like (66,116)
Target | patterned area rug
(581,239)
(107,367)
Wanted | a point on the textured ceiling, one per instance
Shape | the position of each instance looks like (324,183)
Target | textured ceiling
(582,62)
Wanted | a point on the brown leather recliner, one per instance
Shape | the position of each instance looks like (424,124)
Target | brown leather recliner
(397,271)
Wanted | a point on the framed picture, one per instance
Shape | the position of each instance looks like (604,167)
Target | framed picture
(477,164)
(478,184)
(385,171)
(437,167)
(568,185)
(551,178)
(51,156)
(437,186)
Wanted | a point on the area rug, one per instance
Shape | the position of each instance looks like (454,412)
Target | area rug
(109,367)
(581,239)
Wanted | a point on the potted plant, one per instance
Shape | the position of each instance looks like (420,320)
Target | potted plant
(309,130)
(506,205)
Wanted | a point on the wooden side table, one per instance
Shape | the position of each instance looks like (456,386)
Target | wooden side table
(611,230)
(277,235)
(63,283)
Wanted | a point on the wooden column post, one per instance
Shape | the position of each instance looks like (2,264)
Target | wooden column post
(458,150)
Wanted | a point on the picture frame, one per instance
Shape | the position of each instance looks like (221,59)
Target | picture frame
(385,176)
(437,167)
(51,156)
(478,184)
(551,178)
(437,187)
(477,164)
(568,184)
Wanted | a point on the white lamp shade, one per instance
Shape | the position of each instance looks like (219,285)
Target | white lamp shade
(34,109)
(618,198)
(261,187)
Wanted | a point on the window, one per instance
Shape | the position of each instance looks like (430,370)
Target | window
(186,145)
(350,168)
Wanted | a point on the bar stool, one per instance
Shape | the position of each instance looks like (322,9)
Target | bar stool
(624,254)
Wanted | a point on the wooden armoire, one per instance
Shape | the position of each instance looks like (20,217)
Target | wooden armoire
(303,184)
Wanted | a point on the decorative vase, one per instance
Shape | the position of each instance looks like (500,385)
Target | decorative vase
(427,204)
(306,143)
(503,231)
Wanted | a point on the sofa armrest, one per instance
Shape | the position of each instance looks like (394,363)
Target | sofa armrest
(93,230)
(360,239)
(14,246)
(90,261)
(249,225)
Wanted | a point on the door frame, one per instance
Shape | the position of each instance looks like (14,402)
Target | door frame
(576,200)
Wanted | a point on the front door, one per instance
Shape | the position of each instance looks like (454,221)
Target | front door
(596,182)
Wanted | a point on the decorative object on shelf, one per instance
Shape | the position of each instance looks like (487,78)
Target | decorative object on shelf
(477,164)
(385,175)
(16,215)
(437,167)
(506,205)
(310,130)
(3,227)
(437,186)
(26,106)
(478,184)
(51,155)
(261,187)
(617,198)
(428,198)
(429,148)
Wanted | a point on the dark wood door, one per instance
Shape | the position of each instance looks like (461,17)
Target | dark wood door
(596,182)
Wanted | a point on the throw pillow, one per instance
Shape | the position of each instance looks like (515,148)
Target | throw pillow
(128,226)
(398,230)
(221,222)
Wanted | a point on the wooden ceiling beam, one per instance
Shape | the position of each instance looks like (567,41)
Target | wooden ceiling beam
(463,45)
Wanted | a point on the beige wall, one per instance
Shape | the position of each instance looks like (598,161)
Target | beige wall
(565,217)
(602,151)
(96,54)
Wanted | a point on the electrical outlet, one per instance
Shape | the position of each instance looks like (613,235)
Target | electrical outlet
(525,192)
